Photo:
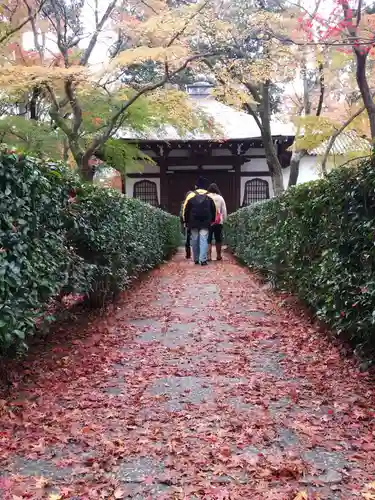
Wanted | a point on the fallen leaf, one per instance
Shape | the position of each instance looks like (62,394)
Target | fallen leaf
(119,493)
(149,480)
(301,495)
(42,482)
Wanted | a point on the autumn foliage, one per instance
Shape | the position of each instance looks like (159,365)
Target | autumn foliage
(317,240)
(59,237)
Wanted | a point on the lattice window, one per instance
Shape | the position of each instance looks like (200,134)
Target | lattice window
(255,190)
(147,192)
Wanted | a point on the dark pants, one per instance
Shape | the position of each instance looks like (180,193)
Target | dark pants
(216,231)
(188,243)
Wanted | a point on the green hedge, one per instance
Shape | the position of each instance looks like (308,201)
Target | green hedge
(318,241)
(58,236)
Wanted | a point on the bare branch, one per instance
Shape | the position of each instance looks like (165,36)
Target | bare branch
(359,13)
(351,39)
(87,54)
(101,139)
(33,15)
(335,135)
(255,116)
(149,6)
(96,13)
(76,108)
(183,29)
(322,89)
(38,46)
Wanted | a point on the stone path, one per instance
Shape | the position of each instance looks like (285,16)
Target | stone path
(198,385)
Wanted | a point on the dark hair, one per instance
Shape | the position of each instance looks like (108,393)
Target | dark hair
(213,188)
(202,183)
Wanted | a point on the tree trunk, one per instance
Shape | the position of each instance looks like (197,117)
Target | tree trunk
(22,106)
(65,149)
(86,170)
(274,167)
(34,103)
(272,158)
(334,136)
(294,166)
(364,88)
(83,162)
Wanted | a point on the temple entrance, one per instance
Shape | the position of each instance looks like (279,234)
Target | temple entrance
(179,183)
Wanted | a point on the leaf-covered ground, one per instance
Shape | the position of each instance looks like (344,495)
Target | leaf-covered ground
(199,384)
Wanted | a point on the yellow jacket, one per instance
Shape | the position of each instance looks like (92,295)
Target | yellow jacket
(190,195)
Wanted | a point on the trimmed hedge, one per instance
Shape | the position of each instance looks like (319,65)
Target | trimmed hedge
(58,236)
(318,241)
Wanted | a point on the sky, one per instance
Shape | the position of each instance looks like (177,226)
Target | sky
(106,38)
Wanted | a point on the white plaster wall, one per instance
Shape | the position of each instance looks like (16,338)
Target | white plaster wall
(149,168)
(255,151)
(150,153)
(308,171)
(257,164)
(131,181)
(179,153)
(243,182)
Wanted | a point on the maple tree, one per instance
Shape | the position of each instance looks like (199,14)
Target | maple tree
(87,105)
(311,71)
(349,27)
(15,16)
(248,66)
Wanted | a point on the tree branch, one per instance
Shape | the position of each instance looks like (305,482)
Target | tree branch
(3,38)
(102,138)
(38,47)
(87,54)
(255,116)
(335,135)
(146,4)
(359,13)
(322,89)
(182,30)
(76,108)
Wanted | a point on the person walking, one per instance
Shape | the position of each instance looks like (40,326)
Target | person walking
(198,214)
(216,230)
(187,231)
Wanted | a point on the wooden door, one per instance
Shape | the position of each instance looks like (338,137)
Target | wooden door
(179,183)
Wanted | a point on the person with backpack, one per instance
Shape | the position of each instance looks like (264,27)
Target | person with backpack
(198,214)
(216,230)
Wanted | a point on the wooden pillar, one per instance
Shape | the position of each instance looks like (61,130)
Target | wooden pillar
(237,181)
(123,183)
(163,184)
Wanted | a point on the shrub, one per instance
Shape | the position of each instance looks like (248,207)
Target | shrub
(318,240)
(118,238)
(50,247)
(34,257)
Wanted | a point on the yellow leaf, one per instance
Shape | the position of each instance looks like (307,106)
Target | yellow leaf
(141,54)
(54,496)
(119,493)
(301,495)
(42,482)
(369,491)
